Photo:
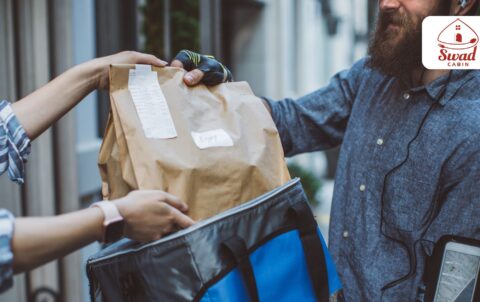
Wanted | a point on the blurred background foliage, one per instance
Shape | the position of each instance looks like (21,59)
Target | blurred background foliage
(185,26)
(311,183)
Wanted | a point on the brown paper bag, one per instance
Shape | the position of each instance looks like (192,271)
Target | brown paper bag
(209,180)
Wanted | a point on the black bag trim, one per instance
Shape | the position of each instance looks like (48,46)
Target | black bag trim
(132,287)
(92,287)
(313,250)
(236,247)
(231,266)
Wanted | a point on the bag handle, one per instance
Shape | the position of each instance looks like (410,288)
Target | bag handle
(237,249)
(312,249)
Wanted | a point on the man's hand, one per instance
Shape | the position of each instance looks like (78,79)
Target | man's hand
(204,69)
(201,69)
(149,215)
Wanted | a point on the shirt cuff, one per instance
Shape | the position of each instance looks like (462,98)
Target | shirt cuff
(278,118)
(273,108)
(14,142)
(6,254)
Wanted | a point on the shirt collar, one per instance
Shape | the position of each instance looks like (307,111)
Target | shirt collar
(443,89)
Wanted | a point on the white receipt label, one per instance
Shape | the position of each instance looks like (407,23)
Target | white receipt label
(212,138)
(150,103)
(142,68)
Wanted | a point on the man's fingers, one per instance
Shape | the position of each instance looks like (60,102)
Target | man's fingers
(175,202)
(193,77)
(177,63)
(182,220)
(201,69)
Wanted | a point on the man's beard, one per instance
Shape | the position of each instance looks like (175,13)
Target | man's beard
(399,58)
(396,58)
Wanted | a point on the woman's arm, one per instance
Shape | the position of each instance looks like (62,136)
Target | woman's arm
(38,240)
(148,215)
(40,109)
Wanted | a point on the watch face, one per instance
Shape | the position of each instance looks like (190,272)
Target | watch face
(114,231)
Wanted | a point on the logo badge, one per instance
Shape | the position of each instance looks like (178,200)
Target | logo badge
(450,42)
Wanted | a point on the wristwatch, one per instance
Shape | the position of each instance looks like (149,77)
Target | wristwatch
(113,223)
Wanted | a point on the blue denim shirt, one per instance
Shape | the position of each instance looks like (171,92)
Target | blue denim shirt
(408,171)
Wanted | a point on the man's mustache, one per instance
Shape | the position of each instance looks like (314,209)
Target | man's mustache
(392,18)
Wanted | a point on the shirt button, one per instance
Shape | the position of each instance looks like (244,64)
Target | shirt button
(379,141)
(362,188)
(345,234)
(406,96)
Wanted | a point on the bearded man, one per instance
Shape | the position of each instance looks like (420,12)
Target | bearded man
(409,165)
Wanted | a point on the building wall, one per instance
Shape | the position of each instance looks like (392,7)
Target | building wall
(283,49)
(39,39)
(10,193)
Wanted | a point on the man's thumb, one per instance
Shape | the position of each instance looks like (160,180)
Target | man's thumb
(193,77)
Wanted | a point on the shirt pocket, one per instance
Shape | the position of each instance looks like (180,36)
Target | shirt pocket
(409,197)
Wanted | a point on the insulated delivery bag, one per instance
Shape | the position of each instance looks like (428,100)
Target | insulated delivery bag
(268,249)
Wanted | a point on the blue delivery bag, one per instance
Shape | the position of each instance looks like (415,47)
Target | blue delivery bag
(269,249)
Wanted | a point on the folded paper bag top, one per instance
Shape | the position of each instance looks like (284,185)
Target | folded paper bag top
(213,147)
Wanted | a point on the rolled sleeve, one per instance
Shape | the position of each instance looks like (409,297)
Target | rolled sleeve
(6,254)
(14,144)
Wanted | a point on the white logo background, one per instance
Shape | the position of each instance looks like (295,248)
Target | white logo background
(451,42)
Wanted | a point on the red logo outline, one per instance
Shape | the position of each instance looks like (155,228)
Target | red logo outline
(457,45)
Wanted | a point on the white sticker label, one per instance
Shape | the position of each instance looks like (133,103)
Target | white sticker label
(450,42)
(150,103)
(213,138)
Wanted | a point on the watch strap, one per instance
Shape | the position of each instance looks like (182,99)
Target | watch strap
(109,209)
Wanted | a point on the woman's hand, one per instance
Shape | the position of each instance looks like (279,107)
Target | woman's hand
(43,107)
(102,65)
(149,215)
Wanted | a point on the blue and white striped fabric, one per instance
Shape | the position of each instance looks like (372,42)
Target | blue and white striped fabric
(14,150)
(6,255)
(14,144)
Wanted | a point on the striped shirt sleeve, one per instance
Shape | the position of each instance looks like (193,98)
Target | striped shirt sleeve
(14,144)
(6,254)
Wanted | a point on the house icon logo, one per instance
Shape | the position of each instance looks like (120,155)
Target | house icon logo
(458,35)
(450,42)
